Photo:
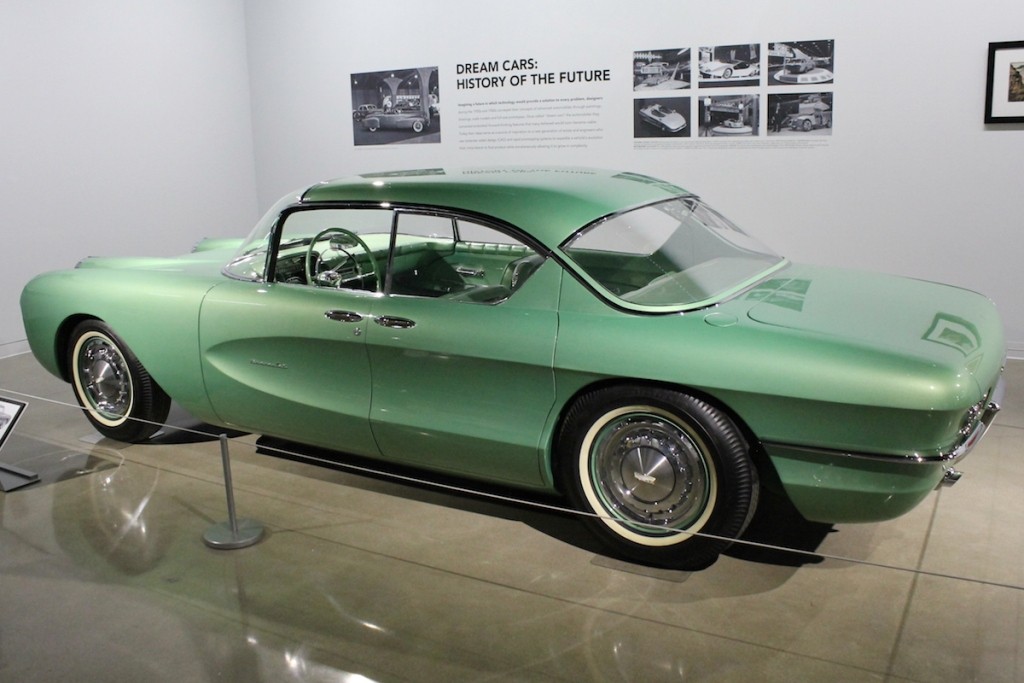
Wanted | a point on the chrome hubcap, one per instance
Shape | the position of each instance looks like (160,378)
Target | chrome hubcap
(648,470)
(104,378)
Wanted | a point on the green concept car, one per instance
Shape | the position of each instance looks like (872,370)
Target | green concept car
(605,336)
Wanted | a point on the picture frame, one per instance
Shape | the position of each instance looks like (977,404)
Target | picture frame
(10,411)
(1004,90)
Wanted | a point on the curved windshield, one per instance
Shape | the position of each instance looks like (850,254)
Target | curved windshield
(250,261)
(670,256)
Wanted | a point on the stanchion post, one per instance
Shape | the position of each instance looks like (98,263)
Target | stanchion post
(234,533)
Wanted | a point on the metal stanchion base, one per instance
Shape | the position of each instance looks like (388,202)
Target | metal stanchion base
(234,533)
(223,537)
(12,477)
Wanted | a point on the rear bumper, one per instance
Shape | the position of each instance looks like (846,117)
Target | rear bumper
(839,486)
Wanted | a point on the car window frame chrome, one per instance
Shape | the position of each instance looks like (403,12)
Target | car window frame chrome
(396,209)
(599,291)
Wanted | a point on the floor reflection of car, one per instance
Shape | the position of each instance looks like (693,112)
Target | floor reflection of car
(364,110)
(415,121)
(730,69)
(666,119)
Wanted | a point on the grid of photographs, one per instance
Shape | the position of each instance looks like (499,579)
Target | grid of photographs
(745,90)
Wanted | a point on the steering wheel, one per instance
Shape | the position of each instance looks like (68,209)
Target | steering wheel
(346,241)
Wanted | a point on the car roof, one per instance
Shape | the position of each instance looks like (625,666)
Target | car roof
(549,203)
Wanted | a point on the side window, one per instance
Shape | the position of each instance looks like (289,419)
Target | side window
(461,260)
(426,225)
(339,248)
(475,232)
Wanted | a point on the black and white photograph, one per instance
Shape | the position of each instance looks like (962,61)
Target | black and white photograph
(661,69)
(729,116)
(1004,88)
(10,411)
(394,107)
(806,62)
(666,117)
(730,65)
(800,114)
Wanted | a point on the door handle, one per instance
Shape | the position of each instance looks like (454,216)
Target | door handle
(343,316)
(394,322)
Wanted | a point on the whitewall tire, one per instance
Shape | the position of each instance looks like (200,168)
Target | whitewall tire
(664,478)
(119,397)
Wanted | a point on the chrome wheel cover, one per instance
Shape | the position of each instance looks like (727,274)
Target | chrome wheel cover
(650,472)
(103,379)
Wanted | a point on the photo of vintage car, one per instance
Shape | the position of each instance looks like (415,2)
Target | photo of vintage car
(413,120)
(601,336)
(668,120)
(717,68)
(364,110)
(799,64)
(810,121)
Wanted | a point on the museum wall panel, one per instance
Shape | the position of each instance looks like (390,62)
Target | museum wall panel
(140,128)
(906,178)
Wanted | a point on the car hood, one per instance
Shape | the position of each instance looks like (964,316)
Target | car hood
(206,261)
(936,324)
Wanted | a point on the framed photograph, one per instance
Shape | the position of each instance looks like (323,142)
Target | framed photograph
(10,411)
(401,106)
(1004,92)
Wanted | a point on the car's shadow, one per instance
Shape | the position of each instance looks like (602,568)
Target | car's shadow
(181,428)
(777,535)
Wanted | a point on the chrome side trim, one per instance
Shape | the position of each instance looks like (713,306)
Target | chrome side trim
(992,405)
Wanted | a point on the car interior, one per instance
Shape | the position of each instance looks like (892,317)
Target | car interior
(485,269)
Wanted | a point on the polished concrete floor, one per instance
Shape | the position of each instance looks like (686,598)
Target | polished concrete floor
(104,575)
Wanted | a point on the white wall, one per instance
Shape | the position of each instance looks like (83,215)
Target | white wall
(125,130)
(911,181)
(129,128)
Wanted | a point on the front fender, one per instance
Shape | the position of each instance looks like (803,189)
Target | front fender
(155,313)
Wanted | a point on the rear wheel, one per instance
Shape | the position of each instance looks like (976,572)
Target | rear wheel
(120,398)
(666,478)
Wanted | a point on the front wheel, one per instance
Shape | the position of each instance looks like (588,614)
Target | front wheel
(665,478)
(120,398)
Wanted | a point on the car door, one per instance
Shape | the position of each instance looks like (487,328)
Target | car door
(286,356)
(461,350)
